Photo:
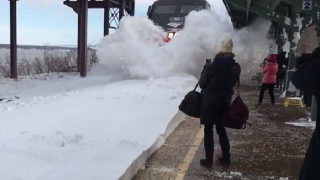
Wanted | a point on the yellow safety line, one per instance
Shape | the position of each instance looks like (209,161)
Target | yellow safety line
(184,166)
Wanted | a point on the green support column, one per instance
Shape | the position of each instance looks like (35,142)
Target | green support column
(314,105)
(290,89)
(280,41)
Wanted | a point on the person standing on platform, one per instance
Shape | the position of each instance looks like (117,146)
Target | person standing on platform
(270,70)
(307,78)
(217,82)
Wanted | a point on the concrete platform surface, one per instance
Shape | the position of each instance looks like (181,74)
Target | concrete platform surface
(267,150)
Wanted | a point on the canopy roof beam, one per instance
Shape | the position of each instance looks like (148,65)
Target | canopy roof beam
(261,11)
(274,4)
(248,7)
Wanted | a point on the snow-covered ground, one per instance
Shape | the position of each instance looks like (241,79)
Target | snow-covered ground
(28,54)
(303,122)
(93,133)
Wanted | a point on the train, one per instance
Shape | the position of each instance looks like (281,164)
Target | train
(170,14)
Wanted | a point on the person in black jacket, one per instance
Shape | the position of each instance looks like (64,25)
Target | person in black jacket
(282,60)
(217,82)
(282,64)
(306,78)
(307,96)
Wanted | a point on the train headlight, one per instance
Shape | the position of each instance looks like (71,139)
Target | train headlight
(170,35)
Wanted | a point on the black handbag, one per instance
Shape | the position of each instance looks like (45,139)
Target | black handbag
(191,103)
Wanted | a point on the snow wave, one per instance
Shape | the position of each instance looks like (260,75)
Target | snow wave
(136,48)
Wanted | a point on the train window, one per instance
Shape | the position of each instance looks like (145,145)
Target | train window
(165,9)
(149,11)
(189,8)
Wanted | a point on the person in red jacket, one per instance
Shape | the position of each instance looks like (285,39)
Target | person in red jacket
(270,70)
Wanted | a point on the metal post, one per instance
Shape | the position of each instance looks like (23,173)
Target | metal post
(133,8)
(290,89)
(280,43)
(83,37)
(121,10)
(106,24)
(280,40)
(314,107)
(79,35)
(13,39)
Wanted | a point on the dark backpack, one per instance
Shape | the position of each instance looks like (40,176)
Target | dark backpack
(237,116)
(191,103)
(281,73)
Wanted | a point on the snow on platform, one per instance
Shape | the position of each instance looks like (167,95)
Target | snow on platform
(93,133)
(303,122)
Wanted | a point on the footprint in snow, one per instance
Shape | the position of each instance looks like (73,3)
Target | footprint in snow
(8,108)
(23,132)
(78,136)
(127,142)
(173,98)
(99,98)
(60,133)
(38,137)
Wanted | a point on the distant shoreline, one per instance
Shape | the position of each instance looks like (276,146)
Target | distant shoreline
(36,47)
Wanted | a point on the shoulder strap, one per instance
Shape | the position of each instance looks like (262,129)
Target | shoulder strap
(238,87)
(195,88)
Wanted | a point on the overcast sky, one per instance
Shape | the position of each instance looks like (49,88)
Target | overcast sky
(50,22)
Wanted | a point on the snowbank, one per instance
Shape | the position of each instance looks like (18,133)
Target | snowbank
(94,133)
(283,95)
(143,157)
(302,122)
(142,55)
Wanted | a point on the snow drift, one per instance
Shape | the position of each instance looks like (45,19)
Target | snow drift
(143,54)
(94,133)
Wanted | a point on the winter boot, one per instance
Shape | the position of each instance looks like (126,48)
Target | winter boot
(259,104)
(225,160)
(207,163)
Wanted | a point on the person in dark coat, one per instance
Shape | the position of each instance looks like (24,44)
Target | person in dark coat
(282,60)
(282,64)
(281,75)
(306,78)
(217,82)
(307,96)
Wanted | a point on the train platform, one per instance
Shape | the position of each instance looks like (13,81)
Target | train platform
(269,149)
